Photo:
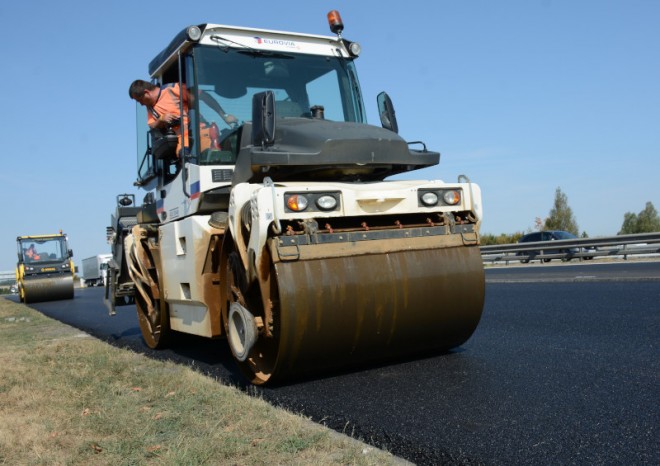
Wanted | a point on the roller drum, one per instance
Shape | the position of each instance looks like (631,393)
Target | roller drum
(50,288)
(341,311)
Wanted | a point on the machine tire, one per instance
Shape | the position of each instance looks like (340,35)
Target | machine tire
(156,334)
(155,326)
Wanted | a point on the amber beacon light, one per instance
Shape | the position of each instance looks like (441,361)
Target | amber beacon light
(335,22)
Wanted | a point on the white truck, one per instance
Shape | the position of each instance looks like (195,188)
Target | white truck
(94,270)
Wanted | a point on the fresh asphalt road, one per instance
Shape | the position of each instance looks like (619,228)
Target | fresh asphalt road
(563,369)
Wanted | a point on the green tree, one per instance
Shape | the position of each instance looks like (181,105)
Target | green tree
(647,221)
(488,239)
(629,225)
(561,216)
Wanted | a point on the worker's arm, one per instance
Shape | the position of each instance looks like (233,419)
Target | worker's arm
(215,106)
(165,120)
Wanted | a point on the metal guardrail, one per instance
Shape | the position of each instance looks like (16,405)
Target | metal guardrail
(8,277)
(567,249)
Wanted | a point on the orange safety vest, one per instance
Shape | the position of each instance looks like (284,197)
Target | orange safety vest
(32,254)
(169,102)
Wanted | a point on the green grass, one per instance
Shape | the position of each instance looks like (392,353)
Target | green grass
(69,399)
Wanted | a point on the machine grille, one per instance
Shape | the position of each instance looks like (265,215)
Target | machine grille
(221,175)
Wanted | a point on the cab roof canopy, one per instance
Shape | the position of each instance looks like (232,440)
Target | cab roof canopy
(167,56)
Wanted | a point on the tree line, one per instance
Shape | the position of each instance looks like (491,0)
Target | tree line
(561,218)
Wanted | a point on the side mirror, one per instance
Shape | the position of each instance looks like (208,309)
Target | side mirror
(263,119)
(387,113)
(70,252)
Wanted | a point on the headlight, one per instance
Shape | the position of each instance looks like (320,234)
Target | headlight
(326,202)
(438,197)
(310,201)
(452,197)
(429,198)
(355,49)
(297,202)
(194,33)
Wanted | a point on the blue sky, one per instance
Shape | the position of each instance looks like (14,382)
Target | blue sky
(521,96)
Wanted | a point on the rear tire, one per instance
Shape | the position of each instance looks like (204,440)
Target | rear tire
(152,311)
(155,327)
(155,330)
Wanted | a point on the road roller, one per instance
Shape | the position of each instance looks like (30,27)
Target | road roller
(45,269)
(283,222)
(119,287)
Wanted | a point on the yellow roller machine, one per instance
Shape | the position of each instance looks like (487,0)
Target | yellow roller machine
(45,268)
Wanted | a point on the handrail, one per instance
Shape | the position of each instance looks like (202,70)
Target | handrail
(621,245)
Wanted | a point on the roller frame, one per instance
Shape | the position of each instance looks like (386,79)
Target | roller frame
(266,206)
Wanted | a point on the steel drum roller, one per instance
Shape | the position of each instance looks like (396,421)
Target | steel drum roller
(346,310)
(50,288)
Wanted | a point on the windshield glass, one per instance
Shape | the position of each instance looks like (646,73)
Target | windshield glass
(564,235)
(41,250)
(299,82)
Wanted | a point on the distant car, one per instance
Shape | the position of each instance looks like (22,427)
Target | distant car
(589,249)
(13,289)
(548,236)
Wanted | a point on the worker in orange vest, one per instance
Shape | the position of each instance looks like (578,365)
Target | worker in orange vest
(164,106)
(32,253)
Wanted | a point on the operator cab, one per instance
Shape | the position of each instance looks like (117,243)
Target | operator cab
(43,249)
(222,68)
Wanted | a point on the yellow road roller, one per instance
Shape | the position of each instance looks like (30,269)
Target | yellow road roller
(274,220)
(45,269)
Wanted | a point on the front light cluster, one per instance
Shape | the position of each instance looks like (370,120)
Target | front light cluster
(435,197)
(311,202)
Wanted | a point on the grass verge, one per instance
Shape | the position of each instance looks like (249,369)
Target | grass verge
(67,398)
